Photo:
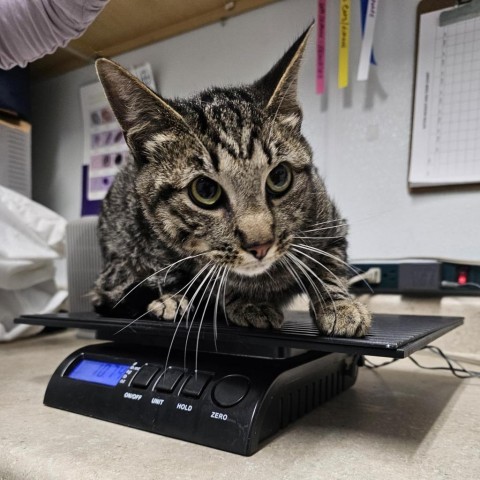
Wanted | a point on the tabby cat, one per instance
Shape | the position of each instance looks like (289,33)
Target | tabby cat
(221,206)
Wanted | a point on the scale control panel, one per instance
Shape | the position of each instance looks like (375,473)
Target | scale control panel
(158,383)
(233,403)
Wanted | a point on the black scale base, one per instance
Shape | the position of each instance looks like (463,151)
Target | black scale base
(249,383)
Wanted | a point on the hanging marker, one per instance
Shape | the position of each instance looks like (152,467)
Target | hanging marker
(366,55)
(343,43)
(321,24)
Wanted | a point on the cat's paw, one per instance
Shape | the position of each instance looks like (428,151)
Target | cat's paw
(168,307)
(261,315)
(345,318)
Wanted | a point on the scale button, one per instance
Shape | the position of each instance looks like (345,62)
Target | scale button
(144,376)
(231,390)
(168,379)
(195,384)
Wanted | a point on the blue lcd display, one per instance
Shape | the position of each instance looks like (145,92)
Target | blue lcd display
(98,372)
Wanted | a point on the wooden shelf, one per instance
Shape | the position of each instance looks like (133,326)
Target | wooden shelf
(124,25)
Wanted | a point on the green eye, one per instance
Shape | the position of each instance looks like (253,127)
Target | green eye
(205,192)
(279,179)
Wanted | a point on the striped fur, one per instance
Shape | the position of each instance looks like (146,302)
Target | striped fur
(235,136)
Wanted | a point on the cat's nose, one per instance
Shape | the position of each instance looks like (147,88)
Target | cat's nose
(259,251)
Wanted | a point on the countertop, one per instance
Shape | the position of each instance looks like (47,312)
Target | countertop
(395,422)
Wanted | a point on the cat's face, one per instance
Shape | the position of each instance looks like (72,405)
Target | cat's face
(241,197)
(227,173)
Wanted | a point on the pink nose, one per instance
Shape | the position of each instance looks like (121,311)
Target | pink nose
(259,251)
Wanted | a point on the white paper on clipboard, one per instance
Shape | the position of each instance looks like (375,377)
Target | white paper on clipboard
(446,119)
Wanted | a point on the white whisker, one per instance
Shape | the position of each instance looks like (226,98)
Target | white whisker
(339,285)
(329,255)
(217,274)
(208,277)
(300,264)
(190,283)
(323,252)
(171,296)
(224,293)
(319,229)
(318,238)
(225,270)
(133,321)
(156,273)
(303,268)
(332,220)
(286,264)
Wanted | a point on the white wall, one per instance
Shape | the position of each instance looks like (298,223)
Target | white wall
(360,135)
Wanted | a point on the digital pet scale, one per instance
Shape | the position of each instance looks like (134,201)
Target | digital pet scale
(249,384)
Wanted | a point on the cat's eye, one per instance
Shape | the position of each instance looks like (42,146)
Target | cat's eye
(205,192)
(279,179)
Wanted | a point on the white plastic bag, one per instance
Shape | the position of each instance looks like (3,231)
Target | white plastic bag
(32,237)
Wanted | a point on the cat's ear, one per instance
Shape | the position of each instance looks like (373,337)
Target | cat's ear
(132,102)
(278,87)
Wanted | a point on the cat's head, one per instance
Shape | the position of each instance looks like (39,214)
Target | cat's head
(225,172)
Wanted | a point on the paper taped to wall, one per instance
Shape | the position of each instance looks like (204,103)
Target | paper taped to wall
(105,150)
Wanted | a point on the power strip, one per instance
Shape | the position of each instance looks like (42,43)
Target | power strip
(416,276)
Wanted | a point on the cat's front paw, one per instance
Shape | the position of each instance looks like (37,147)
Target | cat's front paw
(168,307)
(344,318)
(259,315)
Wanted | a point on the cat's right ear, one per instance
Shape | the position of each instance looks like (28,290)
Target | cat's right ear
(278,88)
(132,102)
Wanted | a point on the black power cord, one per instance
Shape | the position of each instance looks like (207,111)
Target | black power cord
(454,366)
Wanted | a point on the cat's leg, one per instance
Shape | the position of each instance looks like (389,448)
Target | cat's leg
(118,293)
(260,315)
(110,286)
(342,317)
(333,309)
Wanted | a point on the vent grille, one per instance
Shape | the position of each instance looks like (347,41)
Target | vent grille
(15,155)
(302,400)
(84,261)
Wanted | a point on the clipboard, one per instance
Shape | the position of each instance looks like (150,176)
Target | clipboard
(444,150)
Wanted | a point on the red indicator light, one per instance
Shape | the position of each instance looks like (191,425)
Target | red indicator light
(462,278)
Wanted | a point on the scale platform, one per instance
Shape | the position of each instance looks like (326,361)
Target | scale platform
(395,336)
(246,386)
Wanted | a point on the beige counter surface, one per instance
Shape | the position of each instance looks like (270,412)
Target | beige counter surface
(396,422)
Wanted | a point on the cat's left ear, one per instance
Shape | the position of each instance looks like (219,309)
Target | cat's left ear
(139,111)
(279,86)
(130,99)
